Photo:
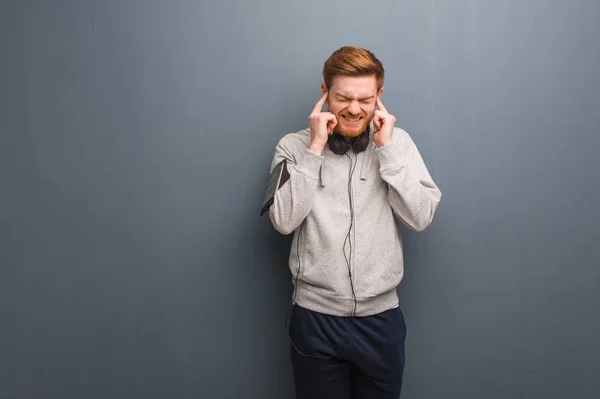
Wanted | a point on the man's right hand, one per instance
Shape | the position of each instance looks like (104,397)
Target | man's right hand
(321,126)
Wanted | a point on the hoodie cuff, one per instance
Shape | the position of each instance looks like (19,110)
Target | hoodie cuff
(392,155)
(310,164)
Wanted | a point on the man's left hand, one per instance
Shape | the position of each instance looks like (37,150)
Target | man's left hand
(383,123)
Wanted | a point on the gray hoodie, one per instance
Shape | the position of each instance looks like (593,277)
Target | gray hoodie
(346,256)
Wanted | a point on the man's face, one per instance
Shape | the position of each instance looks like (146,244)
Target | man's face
(352,100)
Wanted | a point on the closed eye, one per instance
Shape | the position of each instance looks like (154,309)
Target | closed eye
(361,100)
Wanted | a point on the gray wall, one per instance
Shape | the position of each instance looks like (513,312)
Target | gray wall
(135,143)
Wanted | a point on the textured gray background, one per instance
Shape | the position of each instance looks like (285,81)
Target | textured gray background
(136,138)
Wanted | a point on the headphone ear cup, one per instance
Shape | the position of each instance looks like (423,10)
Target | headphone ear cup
(338,144)
(361,142)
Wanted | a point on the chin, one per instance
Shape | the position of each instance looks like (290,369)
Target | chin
(351,132)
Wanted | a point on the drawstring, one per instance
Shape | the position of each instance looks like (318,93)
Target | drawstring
(365,164)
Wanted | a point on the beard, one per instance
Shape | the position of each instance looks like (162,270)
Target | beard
(355,129)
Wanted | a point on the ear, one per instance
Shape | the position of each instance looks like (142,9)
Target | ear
(380,92)
(324,90)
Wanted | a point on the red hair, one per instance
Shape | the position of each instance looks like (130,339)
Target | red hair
(352,61)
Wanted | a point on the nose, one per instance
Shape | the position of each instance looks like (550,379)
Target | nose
(354,108)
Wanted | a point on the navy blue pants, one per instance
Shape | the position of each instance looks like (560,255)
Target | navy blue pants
(347,357)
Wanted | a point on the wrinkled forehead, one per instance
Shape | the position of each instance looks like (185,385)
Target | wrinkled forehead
(354,86)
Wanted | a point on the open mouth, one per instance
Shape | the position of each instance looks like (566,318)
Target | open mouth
(352,119)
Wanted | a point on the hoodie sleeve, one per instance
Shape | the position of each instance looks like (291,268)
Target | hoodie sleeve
(293,200)
(413,195)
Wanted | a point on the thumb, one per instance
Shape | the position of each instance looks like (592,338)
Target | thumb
(377,122)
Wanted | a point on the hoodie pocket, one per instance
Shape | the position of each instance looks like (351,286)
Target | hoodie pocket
(380,273)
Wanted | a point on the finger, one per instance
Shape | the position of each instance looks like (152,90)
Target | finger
(331,124)
(332,121)
(325,117)
(377,121)
(319,105)
(383,116)
(380,105)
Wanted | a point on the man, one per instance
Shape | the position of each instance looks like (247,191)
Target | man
(351,178)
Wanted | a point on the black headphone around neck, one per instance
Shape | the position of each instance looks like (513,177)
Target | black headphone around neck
(340,145)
